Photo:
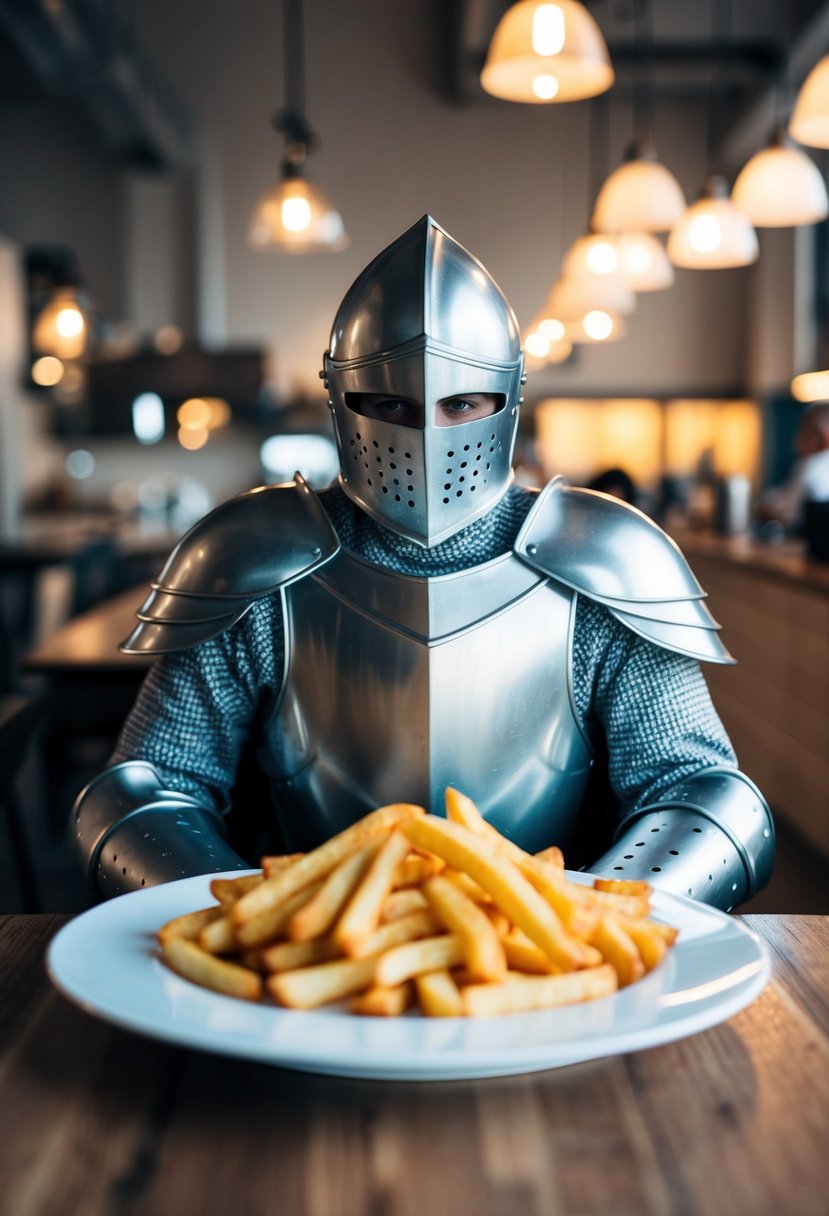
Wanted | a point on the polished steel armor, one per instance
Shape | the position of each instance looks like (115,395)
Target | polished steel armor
(718,849)
(396,686)
(424,322)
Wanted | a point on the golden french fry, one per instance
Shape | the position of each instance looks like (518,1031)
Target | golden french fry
(500,921)
(318,914)
(401,903)
(461,809)
(523,993)
(310,987)
(193,963)
(427,954)
(217,937)
(623,886)
(415,869)
(422,923)
(635,906)
(318,864)
(503,881)
(362,913)
(647,938)
(524,955)
(288,956)
(438,994)
(576,913)
(228,890)
(269,924)
(383,1002)
(188,926)
(466,884)
(483,952)
(275,864)
(619,950)
(551,856)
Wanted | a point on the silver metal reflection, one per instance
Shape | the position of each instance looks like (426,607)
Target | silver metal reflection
(424,321)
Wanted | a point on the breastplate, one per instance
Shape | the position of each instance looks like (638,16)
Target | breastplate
(397,686)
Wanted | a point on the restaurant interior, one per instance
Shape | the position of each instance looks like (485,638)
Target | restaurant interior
(188,191)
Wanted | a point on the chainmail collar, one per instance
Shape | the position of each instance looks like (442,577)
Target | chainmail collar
(486,538)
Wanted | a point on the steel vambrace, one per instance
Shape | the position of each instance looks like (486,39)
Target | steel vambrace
(130,832)
(710,837)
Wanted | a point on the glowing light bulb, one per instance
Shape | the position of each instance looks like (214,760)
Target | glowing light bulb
(69,322)
(551,330)
(548,30)
(602,257)
(47,371)
(705,233)
(296,213)
(598,325)
(536,345)
(545,86)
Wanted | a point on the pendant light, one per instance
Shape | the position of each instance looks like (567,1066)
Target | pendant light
(643,262)
(294,216)
(547,341)
(781,186)
(542,53)
(642,195)
(810,119)
(713,234)
(590,310)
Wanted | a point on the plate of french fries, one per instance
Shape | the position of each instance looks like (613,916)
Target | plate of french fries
(410,946)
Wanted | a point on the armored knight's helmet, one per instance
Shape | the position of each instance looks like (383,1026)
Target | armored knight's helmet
(424,322)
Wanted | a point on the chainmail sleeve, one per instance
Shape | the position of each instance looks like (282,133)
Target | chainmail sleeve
(652,705)
(195,708)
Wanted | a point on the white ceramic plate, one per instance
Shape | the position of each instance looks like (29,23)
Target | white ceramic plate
(106,961)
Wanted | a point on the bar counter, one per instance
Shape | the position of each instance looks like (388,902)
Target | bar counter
(773,604)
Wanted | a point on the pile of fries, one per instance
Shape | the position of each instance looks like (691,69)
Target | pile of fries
(405,909)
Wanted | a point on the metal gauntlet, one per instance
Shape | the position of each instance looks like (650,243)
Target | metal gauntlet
(130,832)
(710,837)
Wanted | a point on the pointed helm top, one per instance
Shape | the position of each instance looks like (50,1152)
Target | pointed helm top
(425,286)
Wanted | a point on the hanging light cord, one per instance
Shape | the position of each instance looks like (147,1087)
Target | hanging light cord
(643,73)
(291,121)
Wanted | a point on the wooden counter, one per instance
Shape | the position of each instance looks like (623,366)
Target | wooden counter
(773,605)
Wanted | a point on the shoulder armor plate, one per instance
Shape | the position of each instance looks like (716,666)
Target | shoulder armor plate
(246,548)
(614,554)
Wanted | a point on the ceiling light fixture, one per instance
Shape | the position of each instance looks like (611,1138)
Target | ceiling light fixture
(810,118)
(713,234)
(781,186)
(640,196)
(546,53)
(643,262)
(294,216)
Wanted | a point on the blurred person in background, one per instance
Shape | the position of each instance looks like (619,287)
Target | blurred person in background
(427,621)
(808,480)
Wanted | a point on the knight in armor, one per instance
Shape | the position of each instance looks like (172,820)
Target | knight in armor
(426,622)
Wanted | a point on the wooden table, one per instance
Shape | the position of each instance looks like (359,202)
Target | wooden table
(87,646)
(732,1121)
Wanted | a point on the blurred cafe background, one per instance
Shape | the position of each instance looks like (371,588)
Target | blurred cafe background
(190,186)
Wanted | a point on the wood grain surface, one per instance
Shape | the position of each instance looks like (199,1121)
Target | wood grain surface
(732,1121)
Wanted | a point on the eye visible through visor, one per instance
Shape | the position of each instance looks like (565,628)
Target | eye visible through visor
(403,411)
